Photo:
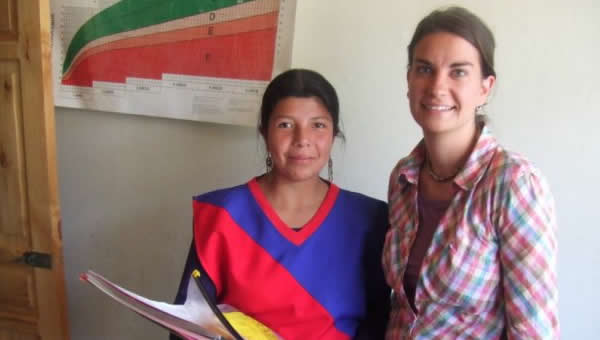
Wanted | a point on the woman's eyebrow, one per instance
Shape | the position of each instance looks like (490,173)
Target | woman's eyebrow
(461,64)
(422,61)
(453,65)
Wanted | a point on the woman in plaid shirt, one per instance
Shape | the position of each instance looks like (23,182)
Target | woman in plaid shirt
(471,253)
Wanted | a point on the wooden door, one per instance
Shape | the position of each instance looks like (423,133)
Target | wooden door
(32,299)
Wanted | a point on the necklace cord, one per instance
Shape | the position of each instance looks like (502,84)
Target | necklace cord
(437,177)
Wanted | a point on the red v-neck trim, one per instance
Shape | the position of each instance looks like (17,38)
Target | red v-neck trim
(296,237)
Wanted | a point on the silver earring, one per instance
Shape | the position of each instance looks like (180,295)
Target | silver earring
(330,170)
(479,109)
(269,162)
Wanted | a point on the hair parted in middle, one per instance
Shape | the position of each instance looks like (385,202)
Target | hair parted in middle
(459,21)
(300,83)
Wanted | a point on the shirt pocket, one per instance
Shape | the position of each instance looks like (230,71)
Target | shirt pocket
(466,274)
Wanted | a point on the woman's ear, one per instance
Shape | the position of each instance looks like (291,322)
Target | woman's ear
(487,84)
(263,132)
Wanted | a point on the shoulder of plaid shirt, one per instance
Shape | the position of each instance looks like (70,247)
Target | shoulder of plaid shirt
(506,218)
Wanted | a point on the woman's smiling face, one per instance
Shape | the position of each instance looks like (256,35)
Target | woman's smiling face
(299,137)
(445,83)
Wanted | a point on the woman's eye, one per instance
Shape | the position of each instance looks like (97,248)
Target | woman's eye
(320,125)
(459,73)
(284,125)
(423,69)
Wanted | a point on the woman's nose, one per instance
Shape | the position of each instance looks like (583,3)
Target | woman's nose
(301,136)
(438,84)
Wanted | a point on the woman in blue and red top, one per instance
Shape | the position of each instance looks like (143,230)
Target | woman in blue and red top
(471,251)
(289,248)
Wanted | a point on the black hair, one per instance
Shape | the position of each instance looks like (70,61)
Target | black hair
(301,83)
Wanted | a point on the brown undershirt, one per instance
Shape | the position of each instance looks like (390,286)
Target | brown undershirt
(430,214)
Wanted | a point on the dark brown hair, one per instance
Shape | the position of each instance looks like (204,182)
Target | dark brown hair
(459,21)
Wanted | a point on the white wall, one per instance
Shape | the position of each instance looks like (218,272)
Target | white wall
(126,187)
(126,181)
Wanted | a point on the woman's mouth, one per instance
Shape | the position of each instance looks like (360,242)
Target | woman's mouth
(300,158)
(440,108)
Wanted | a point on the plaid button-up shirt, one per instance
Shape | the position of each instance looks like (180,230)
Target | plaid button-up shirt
(491,266)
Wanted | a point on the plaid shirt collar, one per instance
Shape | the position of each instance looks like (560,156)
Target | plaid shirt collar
(473,170)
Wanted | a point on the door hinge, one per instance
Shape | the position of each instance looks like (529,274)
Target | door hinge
(35,259)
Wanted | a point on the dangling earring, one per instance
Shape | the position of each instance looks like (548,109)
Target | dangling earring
(269,162)
(330,170)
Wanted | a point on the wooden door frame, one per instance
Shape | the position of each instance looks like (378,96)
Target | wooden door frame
(31,47)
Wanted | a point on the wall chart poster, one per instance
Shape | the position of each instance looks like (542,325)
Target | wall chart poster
(206,60)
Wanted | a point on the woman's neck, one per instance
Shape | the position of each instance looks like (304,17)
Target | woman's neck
(285,194)
(447,153)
